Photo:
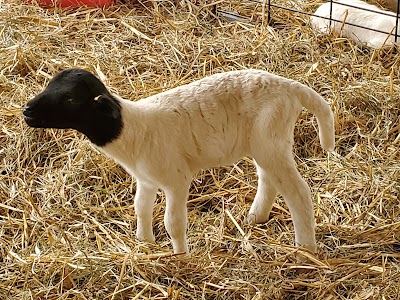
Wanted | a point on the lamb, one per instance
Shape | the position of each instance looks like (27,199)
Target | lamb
(345,17)
(165,139)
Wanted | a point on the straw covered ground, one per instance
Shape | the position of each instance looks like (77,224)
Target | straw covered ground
(67,222)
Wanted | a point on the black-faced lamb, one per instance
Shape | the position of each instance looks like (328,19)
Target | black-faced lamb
(355,14)
(165,139)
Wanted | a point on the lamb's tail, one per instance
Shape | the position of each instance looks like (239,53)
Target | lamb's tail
(311,100)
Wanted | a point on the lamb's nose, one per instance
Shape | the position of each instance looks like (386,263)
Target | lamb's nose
(27,110)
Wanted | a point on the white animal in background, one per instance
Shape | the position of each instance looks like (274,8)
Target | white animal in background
(165,139)
(346,17)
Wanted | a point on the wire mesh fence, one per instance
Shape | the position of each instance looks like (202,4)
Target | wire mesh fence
(269,5)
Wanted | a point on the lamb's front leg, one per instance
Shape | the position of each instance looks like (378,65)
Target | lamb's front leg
(144,203)
(175,218)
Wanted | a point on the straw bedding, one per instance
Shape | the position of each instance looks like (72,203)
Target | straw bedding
(66,212)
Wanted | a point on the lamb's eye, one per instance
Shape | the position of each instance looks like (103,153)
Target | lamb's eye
(69,99)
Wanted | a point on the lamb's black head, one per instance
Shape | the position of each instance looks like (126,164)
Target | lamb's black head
(77,99)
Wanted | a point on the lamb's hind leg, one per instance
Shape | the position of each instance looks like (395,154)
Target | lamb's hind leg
(144,202)
(264,199)
(281,170)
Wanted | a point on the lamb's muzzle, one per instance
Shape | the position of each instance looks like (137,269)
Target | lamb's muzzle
(165,139)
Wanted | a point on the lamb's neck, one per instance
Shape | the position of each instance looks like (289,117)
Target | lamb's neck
(126,147)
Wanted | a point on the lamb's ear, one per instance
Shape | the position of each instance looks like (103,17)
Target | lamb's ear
(108,106)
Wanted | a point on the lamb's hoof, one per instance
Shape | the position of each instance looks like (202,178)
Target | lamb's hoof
(310,247)
(184,256)
(146,238)
(251,219)
(303,256)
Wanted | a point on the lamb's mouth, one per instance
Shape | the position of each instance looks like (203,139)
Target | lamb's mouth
(32,121)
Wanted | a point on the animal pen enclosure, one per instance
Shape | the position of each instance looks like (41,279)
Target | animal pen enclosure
(67,223)
(269,5)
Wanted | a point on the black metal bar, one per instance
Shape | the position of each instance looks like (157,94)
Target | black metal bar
(330,14)
(397,21)
(269,12)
